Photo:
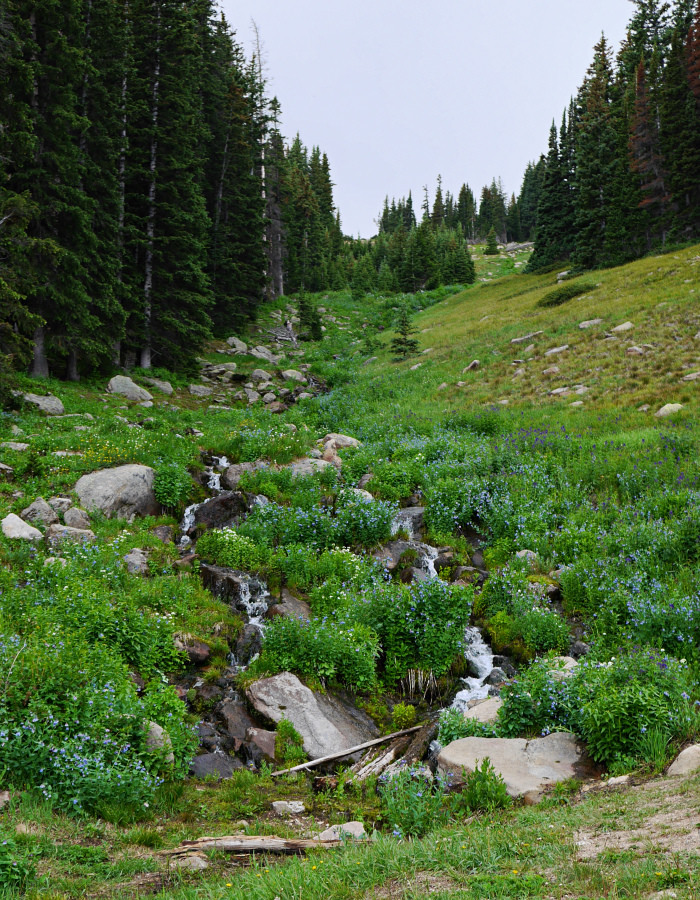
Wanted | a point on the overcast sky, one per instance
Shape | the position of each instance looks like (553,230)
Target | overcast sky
(399,91)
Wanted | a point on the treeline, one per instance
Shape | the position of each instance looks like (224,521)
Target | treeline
(622,175)
(147,198)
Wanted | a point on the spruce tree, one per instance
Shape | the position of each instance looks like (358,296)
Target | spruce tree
(491,248)
(403,344)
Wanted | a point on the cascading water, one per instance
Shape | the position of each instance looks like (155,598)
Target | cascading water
(479,654)
(219,463)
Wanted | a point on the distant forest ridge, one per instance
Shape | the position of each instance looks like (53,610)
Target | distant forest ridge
(148,200)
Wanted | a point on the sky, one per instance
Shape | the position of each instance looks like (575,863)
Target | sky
(397,92)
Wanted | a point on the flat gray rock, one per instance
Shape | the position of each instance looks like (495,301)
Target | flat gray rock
(49,405)
(485,711)
(326,724)
(303,467)
(200,390)
(527,767)
(57,535)
(75,517)
(163,386)
(687,762)
(668,410)
(125,387)
(288,807)
(16,529)
(124,492)
(17,446)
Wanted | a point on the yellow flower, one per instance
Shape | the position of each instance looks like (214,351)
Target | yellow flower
(313,867)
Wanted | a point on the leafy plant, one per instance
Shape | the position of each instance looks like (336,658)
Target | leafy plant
(16,868)
(484,790)
(172,485)
(289,744)
(565,293)
(403,716)
(412,804)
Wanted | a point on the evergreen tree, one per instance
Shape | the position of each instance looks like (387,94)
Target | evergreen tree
(491,248)
(403,344)
(554,215)
(466,212)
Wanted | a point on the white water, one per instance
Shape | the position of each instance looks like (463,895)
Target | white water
(214,484)
(404,522)
(480,655)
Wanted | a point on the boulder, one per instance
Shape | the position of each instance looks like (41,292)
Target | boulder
(261,745)
(225,509)
(6,471)
(219,764)
(251,395)
(124,492)
(352,831)
(293,375)
(290,607)
(248,645)
(16,529)
(562,667)
(621,329)
(485,711)
(125,387)
(17,446)
(590,323)
(304,467)
(57,535)
(288,807)
(237,345)
(137,562)
(200,390)
(687,763)
(526,337)
(341,441)
(694,376)
(264,354)
(527,767)
(163,386)
(164,533)
(555,351)
(76,517)
(232,475)
(158,741)
(276,407)
(668,410)
(235,720)
(49,405)
(472,367)
(260,375)
(193,862)
(198,652)
(40,513)
(326,723)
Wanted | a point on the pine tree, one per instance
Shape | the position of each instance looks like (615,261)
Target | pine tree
(491,248)
(403,344)
(554,214)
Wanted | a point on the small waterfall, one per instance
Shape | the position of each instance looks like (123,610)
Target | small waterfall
(480,655)
(214,482)
(426,558)
(187,525)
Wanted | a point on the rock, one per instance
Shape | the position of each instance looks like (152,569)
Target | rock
(76,517)
(227,508)
(556,350)
(198,652)
(242,591)
(6,471)
(325,722)
(617,781)
(443,386)
(137,562)
(5,798)
(260,375)
(529,555)
(124,492)
(527,337)
(365,480)
(200,390)
(579,649)
(125,387)
(56,560)
(694,376)
(415,368)
(590,324)
(49,404)
(644,408)
(16,529)
(485,711)
(190,863)
(269,398)
(235,720)
(363,496)
(552,370)
(497,676)
(620,329)
(163,386)
(251,395)
(472,367)
(248,645)
(40,513)
(305,396)
(58,535)
(635,351)
(238,345)
(562,668)
(219,764)
(264,354)
(17,446)
(525,766)
(232,475)
(304,467)
(348,831)
(290,607)
(158,741)
(341,441)
(288,807)
(260,745)
(293,375)
(687,763)
(668,410)
(164,533)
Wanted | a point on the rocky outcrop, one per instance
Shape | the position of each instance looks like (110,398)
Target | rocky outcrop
(326,723)
(124,492)
(225,509)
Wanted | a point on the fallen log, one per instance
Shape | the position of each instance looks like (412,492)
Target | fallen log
(349,752)
(243,843)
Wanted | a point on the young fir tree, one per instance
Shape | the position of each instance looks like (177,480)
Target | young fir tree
(309,320)
(554,215)
(403,344)
(491,248)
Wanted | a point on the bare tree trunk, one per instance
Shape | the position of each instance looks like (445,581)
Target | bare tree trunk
(151,227)
(121,177)
(72,367)
(40,365)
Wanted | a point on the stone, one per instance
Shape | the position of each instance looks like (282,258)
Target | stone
(288,807)
(687,762)
(248,645)
(5,798)
(415,368)
(485,711)
(219,764)
(496,677)
(40,513)
(237,345)
(16,529)
(347,831)
(200,390)
(164,533)
(694,376)
(232,476)
(163,386)
(305,395)
(158,741)
(527,767)
(590,323)
(341,441)
(443,386)
(76,517)
(363,496)
(529,555)
(48,404)
(56,560)
(227,508)
(635,351)
(577,403)
(261,743)
(303,467)
(124,492)
(6,471)
(269,398)
(293,375)
(17,446)
(668,410)
(190,863)
(617,781)
(579,649)
(644,408)
(326,723)
(527,337)
(556,350)
(137,562)
(290,607)
(251,395)
(621,329)
(235,720)
(198,652)
(472,367)
(260,375)
(562,667)
(58,535)
(276,407)
(552,370)
(125,387)
(560,392)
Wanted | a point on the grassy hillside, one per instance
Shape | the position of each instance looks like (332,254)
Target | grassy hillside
(603,494)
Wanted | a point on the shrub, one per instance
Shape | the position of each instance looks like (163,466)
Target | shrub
(16,869)
(565,293)
(454,726)
(227,547)
(534,703)
(412,804)
(403,716)
(484,790)
(289,744)
(172,485)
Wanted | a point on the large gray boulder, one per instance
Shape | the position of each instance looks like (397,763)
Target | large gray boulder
(58,535)
(687,763)
(14,528)
(326,723)
(527,767)
(304,467)
(49,404)
(124,492)
(40,513)
(125,387)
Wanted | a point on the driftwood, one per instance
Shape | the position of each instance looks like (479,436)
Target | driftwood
(333,756)
(243,844)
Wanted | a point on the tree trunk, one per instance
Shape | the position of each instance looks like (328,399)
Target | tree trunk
(40,365)
(145,360)
(72,367)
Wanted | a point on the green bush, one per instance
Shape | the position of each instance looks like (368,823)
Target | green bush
(16,868)
(228,548)
(484,790)
(403,716)
(289,744)
(565,293)
(454,726)
(172,485)
(412,804)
